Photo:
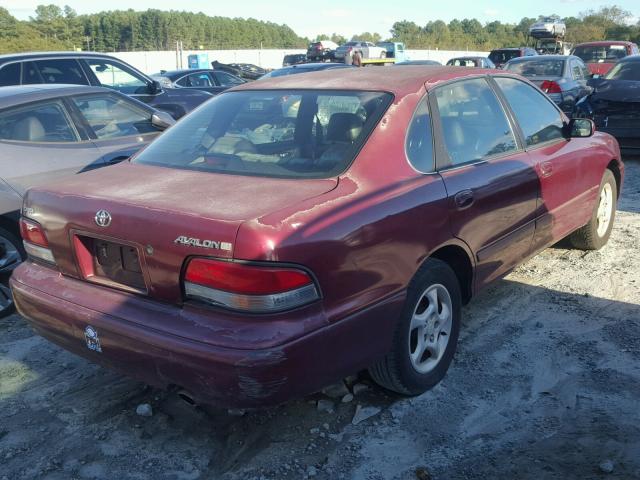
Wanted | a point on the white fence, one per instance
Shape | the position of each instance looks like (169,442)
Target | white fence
(152,62)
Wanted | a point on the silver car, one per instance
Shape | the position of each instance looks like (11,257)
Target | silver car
(50,131)
(549,27)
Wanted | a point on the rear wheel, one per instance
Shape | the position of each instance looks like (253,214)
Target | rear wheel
(595,234)
(426,334)
(11,255)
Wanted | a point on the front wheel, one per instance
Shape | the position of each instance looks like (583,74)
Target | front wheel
(426,335)
(11,255)
(595,234)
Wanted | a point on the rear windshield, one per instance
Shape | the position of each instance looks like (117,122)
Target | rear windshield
(537,68)
(271,133)
(625,71)
(600,53)
(503,56)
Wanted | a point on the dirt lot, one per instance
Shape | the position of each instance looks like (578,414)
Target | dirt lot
(546,384)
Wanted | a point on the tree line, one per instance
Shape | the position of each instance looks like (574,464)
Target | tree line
(55,28)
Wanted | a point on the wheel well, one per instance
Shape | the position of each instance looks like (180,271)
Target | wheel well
(457,258)
(615,169)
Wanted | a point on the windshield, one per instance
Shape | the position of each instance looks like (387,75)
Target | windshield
(537,68)
(625,71)
(277,133)
(600,53)
(503,56)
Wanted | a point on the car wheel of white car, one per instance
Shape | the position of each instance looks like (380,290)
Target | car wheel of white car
(426,335)
(595,234)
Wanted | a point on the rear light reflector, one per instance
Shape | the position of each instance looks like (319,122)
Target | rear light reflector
(249,288)
(35,241)
(550,87)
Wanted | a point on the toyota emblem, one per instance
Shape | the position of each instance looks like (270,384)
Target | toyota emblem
(103,218)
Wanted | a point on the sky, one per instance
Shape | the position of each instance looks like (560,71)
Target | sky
(309,18)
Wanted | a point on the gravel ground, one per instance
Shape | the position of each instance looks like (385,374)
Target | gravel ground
(546,384)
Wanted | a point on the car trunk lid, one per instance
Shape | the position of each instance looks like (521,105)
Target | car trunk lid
(157,218)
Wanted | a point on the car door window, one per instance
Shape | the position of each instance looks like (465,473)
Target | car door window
(474,125)
(10,74)
(419,141)
(195,80)
(114,75)
(42,122)
(111,116)
(225,79)
(538,117)
(54,70)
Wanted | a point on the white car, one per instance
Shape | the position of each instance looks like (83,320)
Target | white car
(548,27)
(368,50)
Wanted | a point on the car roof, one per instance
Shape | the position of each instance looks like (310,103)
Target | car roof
(507,48)
(542,57)
(401,80)
(469,57)
(29,55)
(630,58)
(19,94)
(604,43)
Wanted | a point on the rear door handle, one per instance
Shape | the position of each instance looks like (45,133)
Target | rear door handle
(463,199)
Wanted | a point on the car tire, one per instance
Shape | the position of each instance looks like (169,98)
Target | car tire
(11,255)
(409,367)
(595,234)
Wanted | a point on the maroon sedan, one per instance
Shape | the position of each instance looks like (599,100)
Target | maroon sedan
(299,229)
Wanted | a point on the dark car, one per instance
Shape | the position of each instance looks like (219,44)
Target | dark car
(294,59)
(296,230)
(563,78)
(600,57)
(211,81)
(419,62)
(305,68)
(51,131)
(501,56)
(248,71)
(321,51)
(473,62)
(96,69)
(614,105)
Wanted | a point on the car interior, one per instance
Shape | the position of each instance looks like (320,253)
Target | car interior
(45,123)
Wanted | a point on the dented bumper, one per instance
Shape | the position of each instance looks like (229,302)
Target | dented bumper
(262,361)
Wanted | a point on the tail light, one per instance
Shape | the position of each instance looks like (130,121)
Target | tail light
(549,86)
(246,287)
(35,241)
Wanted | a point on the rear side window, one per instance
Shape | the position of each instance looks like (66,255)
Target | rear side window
(419,142)
(474,125)
(55,70)
(282,133)
(539,119)
(111,117)
(10,75)
(195,80)
(225,79)
(43,122)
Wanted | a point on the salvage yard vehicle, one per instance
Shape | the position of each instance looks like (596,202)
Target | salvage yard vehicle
(97,69)
(321,51)
(51,131)
(614,105)
(294,59)
(295,230)
(548,27)
(368,50)
(600,57)
(207,80)
(473,62)
(563,78)
(501,56)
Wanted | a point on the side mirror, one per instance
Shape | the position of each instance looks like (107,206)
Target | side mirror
(155,88)
(580,128)
(162,120)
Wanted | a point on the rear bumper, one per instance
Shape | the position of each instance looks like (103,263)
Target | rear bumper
(60,308)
